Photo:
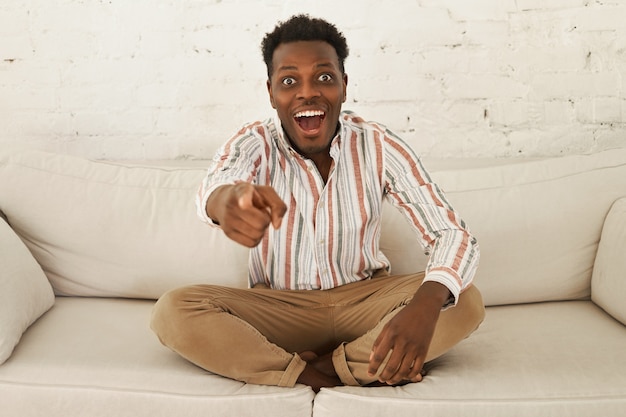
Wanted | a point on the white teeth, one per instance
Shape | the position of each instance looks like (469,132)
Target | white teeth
(309,113)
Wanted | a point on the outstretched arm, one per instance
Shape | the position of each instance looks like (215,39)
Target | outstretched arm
(245,211)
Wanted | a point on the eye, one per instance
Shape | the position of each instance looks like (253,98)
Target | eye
(325,78)
(288,81)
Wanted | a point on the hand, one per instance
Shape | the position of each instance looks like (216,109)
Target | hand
(245,211)
(407,336)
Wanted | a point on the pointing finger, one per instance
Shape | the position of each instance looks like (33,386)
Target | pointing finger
(266,198)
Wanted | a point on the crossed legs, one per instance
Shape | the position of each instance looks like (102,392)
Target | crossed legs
(320,338)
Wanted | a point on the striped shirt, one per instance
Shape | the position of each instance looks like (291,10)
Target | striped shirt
(330,233)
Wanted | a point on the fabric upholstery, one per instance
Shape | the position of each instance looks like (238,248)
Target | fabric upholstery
(538,224)
(131,231)
(25,293)
(101,229)
(98,357)
(119,230)
(608,284)
(539,360)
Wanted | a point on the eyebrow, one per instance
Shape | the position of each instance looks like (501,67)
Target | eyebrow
(294,68)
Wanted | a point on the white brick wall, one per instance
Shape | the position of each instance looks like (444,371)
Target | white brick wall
(174,79)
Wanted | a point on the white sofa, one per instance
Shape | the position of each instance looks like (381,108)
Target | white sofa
(109,238)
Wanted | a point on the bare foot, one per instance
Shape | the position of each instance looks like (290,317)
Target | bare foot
(308,356)
(419,378)
(315,377)
(324,364)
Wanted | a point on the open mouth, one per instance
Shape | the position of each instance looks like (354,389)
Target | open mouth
(309,120)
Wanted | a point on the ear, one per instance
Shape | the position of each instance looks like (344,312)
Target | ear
(345,87)
(269,90)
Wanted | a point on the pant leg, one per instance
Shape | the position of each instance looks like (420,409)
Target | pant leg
(351,359)
(250,335)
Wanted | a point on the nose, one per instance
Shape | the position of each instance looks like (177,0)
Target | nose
(308,90)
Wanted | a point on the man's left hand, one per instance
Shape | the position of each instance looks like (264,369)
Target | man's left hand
(407,336)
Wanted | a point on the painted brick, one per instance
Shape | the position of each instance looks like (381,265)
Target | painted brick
(584,111)
(15,47)
(443,60)
(13,22)
(525,5)
(608,137)
(575,84)
(510,114)
(601,110)
(408,88)
(559,112)
(21,97)
(476,9)
(492,34)
(481,86)
(165,79)
(607,110)
(596,18)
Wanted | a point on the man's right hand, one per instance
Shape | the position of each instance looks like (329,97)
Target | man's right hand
(245,211)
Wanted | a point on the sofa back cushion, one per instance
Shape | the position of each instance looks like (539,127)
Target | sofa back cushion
(105,229)
(538,223)
(102,229)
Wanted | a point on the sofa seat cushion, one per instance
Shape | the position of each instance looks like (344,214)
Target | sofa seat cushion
(100,357)
(608,283)
(548,359)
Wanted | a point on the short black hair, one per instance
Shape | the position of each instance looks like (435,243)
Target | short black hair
(302,27)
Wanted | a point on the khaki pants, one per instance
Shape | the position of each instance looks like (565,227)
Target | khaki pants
(254,335)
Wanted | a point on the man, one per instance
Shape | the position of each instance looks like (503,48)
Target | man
(304,190)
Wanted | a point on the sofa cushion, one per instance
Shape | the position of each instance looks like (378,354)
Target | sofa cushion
(98,357)
(103,229)
(608,284)
(532,360)
(538,223)
(25,293)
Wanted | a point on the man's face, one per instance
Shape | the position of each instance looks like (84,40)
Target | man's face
(307,89)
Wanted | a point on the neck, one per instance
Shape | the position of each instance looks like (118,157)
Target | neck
(323,162)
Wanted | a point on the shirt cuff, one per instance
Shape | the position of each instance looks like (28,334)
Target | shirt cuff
(448,280)
(201,201)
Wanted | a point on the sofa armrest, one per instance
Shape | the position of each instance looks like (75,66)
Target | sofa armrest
(608,282)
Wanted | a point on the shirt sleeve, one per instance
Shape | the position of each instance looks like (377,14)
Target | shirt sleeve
(453,251)
(236,161)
